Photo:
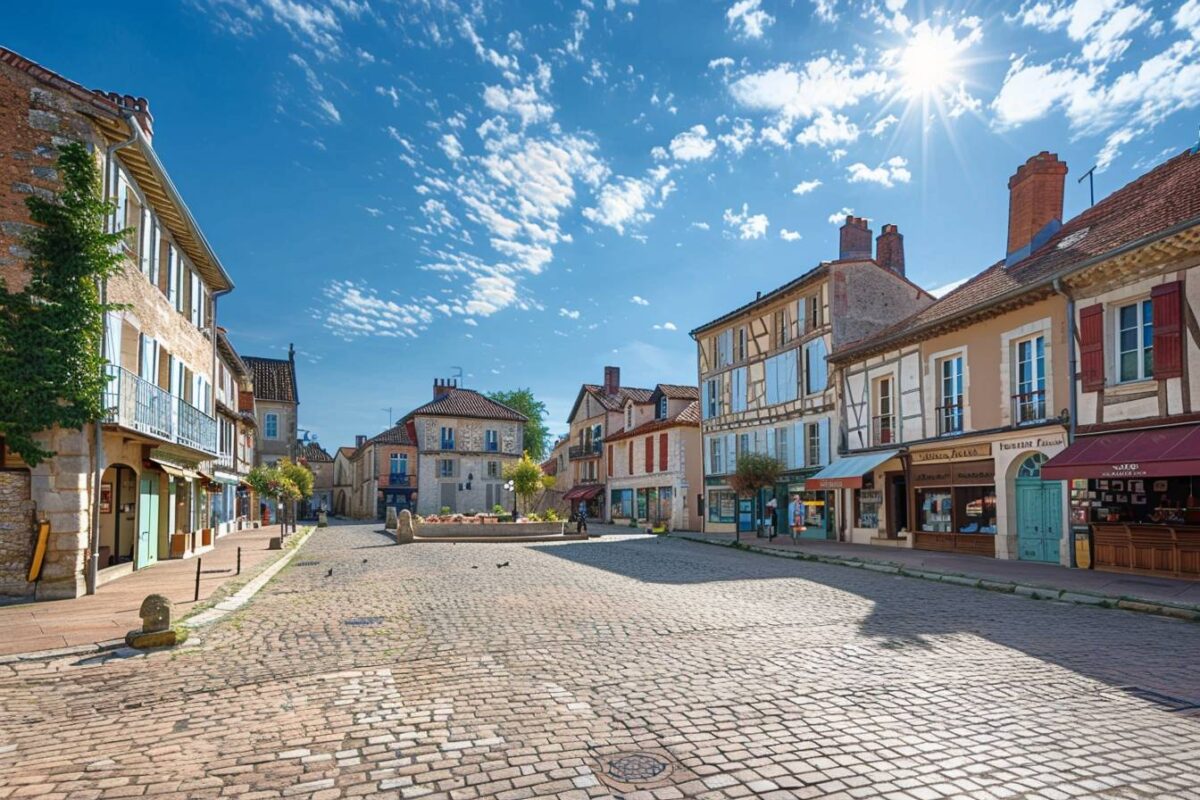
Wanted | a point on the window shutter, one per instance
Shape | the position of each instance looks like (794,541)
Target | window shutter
(801,448)
(1091,347)
(649,454)
(823,448)
(629,454)
(708,456)
(662,452)
(1168,330)
(730,453)
(610,460)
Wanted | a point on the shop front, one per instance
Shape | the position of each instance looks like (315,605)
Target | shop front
(721,508)
(860,481)
(954,497)
(591,495)
(811,512)
(1134,494)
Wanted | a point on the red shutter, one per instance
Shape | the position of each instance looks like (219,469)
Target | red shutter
(629,449)
(649,454)
(1168,330)
(662,452)
(610,466)
(1091,347)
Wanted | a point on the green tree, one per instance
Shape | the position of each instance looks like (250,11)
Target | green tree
(527,478)
(50,331)
(275,485)
(537,435)
(755,472)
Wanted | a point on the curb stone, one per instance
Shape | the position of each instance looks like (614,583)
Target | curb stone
(1159,608)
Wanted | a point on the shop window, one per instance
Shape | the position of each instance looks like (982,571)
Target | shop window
(1135,342)
(936,511)
(867,503)
(722,506)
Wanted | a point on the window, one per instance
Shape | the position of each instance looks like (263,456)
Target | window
(649,454)
(629,417)
(783,327)
(815,374)
(491,441)
(739,345)
(816,438)
(1135,342)
(447,467)
(722,506)
(950,395)
(738,389)
(781,445)
(808,311)
(398,464)
(716,449)
(1030,400)
(148,358)
(883,430)
(781,378)
(194,298)
(148,248)
(447,438)
(723,349)
(271,426)
(713,406)
(493,469)
(597,437)
(662,407)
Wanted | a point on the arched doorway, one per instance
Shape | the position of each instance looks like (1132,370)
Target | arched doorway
(128,518)
(339,508)
(1039,512)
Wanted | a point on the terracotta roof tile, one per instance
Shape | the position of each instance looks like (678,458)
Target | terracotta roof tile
(397,434)
(467,403)
(677,392)
(616,401)
(274,378)
(347,452)
(314,452)
(689,415)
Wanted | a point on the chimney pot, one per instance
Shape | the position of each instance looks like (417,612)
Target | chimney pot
(360,440)
(889,249)
(441,387)
(855,240)
(612,380)
(1035,203)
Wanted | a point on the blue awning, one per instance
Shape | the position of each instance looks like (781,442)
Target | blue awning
(847,473)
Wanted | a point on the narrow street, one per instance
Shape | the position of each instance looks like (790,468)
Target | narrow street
(630,666)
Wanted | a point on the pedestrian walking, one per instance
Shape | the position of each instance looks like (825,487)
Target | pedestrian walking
(581,518)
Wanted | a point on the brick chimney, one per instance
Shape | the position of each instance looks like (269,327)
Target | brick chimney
(442,386)
(612,380)
(1035,204)
(855,240)
(139,107)
(360,440)
(889,249)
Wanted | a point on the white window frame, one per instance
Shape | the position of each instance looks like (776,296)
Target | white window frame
(1141,304)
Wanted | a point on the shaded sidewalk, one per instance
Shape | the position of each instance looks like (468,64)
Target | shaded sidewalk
(1049,581)
(105,617)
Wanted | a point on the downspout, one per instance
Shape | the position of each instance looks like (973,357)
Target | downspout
(98,450)
(1071,399)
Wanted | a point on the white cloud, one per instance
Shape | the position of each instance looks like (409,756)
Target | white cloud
(828,129)
(693,145)
(887,175)
(740,136)
(329,110)
(942,291)
(747,18)
(825,10)
(451,146)
(1102,27)
(749,226)
(622,203)
(881,125)
(521,101)
(700,226)
(1112,147)
(838,217)
(352,310)
(725,62)
(374,212)
(789,236)
(569,313)
(639,301)
(804,187)
(666,326)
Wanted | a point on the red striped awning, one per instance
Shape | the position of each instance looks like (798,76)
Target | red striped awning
(1158,453)
(586,492)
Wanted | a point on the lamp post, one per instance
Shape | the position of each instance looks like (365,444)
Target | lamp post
(509,487)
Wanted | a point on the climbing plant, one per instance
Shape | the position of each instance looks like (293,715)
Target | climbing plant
(51,330)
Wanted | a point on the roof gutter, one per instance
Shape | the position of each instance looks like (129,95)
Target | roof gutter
(1044,283)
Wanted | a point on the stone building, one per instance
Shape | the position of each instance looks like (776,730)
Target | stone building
(384,472)
(321,463)
(765,384)
(276,403)
(343,481)
(229,501)
(125,491)
(464,442)
(653,462)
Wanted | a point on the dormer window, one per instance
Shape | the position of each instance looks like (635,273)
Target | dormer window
(662,407)
(629,417)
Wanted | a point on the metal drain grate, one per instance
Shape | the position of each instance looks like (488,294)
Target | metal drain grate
(1168,702)
(363,621)
(307,563)
(636,767)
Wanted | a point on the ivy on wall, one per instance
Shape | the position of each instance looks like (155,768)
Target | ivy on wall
(50,332)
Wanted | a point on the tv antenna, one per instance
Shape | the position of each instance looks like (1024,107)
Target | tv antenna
(389,413)
(458,373)
(1090,175)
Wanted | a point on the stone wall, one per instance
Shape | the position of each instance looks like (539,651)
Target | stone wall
(16,532)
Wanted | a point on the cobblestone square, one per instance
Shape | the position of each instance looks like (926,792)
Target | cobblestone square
(624,666)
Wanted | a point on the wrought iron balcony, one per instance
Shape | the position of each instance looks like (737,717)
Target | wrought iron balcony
(585,451)
(135,403)
(883,429)
(1029,407)
(196,429)
(397,480)
(949,419)
(226,461)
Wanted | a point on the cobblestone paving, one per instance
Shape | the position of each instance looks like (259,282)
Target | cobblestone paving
(748,676)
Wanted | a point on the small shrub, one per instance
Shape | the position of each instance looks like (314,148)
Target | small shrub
(534,517)
(551,515)
(499,510)
(445,510)
(633,523)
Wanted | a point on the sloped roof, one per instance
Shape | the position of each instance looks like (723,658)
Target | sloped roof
(274,378)
(1160,202)
(314,452)
(397,434)
(677,392)
(689,415)
(467,403)
(346,452)
(613,402)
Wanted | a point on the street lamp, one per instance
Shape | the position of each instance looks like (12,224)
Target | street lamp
(509,487)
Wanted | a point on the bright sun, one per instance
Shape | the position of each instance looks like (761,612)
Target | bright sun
(928,64)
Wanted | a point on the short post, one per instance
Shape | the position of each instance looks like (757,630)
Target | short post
(199,561)
(239,571)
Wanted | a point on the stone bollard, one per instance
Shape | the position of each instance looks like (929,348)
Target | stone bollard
(406,528)
(390,523)
(156,625)
(322,520)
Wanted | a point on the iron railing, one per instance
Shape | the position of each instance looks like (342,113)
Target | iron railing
(196,429)
(883,429)
(585,451)
(949,418)
(397,480)
(1029,406)
(136,403)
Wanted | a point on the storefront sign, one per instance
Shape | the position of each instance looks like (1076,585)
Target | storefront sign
(1039,443)
(967,473)
(963,452)
(931,475)
(870,496)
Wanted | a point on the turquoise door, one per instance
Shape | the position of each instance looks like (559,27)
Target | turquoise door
(147,530)
(1039,513)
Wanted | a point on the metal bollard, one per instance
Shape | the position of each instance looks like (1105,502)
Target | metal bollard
(199,561)
(239,572)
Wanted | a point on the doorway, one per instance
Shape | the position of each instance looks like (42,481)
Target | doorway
(1039,512)
(897,503)
(146,550)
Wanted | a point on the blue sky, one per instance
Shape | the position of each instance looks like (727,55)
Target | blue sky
(530,191)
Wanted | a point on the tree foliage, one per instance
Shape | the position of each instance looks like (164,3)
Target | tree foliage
(537,435)
(299,474)
(50,331)
(754,471)
(527,478)
(272,483)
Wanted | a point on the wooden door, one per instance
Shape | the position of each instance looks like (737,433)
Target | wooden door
(146,549)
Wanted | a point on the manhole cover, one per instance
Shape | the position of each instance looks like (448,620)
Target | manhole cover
(636,767)
(307,563)
(363,621)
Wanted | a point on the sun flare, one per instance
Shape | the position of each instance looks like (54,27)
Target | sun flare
(928,64)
